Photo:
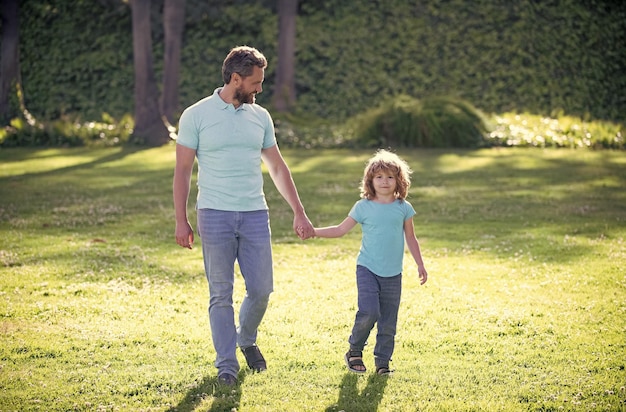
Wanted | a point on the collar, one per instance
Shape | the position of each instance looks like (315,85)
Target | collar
(221,104)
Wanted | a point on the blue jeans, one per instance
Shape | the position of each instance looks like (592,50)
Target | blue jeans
(228,237)
(379,301)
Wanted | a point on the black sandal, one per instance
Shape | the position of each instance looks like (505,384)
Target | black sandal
(357,361)
(383,370)
(254,358)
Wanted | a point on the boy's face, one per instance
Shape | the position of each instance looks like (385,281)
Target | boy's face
(384,182)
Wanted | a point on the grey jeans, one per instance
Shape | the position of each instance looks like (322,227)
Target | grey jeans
(379,301)
(243,237)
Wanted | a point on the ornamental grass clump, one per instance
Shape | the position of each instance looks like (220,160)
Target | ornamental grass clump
(404,121)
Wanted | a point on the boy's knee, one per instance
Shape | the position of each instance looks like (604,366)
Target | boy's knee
(368,318)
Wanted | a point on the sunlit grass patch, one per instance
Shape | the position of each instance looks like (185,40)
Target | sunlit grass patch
(524,309)
(528,130)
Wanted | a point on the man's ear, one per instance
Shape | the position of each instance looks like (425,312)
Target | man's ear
(236,78)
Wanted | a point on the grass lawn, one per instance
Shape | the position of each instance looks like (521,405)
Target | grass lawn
(525,307)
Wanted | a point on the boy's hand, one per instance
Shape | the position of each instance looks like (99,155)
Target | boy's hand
(422,274)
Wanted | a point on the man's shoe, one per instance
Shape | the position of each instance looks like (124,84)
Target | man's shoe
(227,379)
(254,358)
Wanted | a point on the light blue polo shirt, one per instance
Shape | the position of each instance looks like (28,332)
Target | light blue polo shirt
(228,144)
(382,227)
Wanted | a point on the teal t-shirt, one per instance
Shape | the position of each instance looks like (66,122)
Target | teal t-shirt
(382,226)
(228,144)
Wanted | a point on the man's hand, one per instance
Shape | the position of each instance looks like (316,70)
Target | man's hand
(184,235)
(303,227)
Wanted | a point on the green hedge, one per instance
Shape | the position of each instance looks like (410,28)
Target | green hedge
(524,55)
(76,58)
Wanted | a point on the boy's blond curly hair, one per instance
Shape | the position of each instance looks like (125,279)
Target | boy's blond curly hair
(386,161)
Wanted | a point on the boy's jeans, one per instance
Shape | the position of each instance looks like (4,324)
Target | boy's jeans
(228,237)
(379,301)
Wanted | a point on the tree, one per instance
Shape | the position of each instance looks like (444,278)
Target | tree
(284,98)
(149,126)
(174,24)
(9,63)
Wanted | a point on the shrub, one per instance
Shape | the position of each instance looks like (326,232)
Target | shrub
(65,132)
(530,130)
(408,122)
(305,131)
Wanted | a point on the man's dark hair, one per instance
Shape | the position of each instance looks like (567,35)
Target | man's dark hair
(242,60)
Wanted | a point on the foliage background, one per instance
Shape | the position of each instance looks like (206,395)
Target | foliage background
(545,57)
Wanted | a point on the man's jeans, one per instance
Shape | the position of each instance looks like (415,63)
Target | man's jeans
(228,237)
(379,301)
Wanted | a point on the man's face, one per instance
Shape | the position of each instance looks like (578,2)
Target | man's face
(249,86)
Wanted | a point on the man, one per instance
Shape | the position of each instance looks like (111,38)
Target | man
(230,135)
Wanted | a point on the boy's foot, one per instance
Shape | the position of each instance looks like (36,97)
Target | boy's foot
(383,370)
(354,361)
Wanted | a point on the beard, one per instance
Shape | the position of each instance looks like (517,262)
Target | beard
(242,97)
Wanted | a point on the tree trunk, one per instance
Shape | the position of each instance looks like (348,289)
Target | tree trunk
(285,89)
(149,126)
(9,57)
(174,25)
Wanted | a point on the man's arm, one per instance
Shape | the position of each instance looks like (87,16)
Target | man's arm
(281,176)
(185,158)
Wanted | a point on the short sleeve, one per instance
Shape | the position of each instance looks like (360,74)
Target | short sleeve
(355,212)
(269,139)
(409,211)
(187,131)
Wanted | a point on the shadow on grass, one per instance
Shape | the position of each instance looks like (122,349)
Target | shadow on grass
(351,400)
(224,398)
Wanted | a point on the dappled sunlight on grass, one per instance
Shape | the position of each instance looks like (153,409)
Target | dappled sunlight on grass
(455,163)
(524,307)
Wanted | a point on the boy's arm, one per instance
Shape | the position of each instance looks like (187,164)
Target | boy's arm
(337,230)
(414,248)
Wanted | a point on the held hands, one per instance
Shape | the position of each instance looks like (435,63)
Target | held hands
(303,234)
(303,228)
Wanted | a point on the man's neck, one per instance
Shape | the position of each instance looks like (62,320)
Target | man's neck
(226,94)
